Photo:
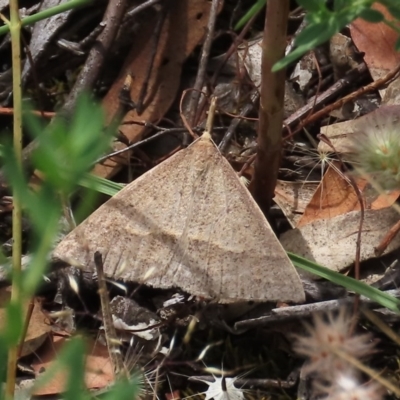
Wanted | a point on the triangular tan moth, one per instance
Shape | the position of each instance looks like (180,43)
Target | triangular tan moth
(188,223)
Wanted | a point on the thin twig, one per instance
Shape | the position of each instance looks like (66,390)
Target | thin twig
(97,55)
(352,96)
(141,7)
(324,97)
(300,312)
(109,329)
(353,183)
(390,235)
(254,97)
(195,95)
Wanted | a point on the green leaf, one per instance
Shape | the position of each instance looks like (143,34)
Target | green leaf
(384,299)
(312,6)
(315,34)
(311,37)
(66,150)
(257,7)
(371,15)
(338,5)
(397,44)
(395,11)
(125,390)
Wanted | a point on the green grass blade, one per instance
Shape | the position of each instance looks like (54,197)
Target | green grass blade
(100,185)
(384,299)
(252,11)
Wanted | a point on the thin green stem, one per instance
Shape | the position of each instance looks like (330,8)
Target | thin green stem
(47,14)
(15,30)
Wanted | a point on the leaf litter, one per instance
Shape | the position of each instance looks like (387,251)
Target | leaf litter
(209,191)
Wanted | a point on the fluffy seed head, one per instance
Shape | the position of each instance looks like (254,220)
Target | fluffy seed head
(376,145)
(324,337)
(347,387)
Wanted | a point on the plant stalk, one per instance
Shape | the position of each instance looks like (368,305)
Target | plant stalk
(31,19)
(15,30)
(271,104)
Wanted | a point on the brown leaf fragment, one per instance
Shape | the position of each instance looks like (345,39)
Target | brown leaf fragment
(334,196)
(377,42)
(331,242)
(183,29)
(99,371)
(38,328)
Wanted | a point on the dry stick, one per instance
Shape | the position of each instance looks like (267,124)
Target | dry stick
(195,96)
(228,54)
(232,49)
(352,96)
(34,74)
(324,97)
(97,55)
(271,104)
(141,7)
(27,321)
(254,97)
(109,329)
(43,114)
(286,314)
(78,48)
(353,183)
(141,143)
(390,235)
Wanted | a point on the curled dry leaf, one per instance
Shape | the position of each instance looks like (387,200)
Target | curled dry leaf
(183,29)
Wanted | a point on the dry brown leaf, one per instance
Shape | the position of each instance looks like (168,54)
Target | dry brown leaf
(183,29)
(334,196)
(338,135)
(38,328)
(99,371)
(385,200)
(377,41)
(293,198)
(332,242)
